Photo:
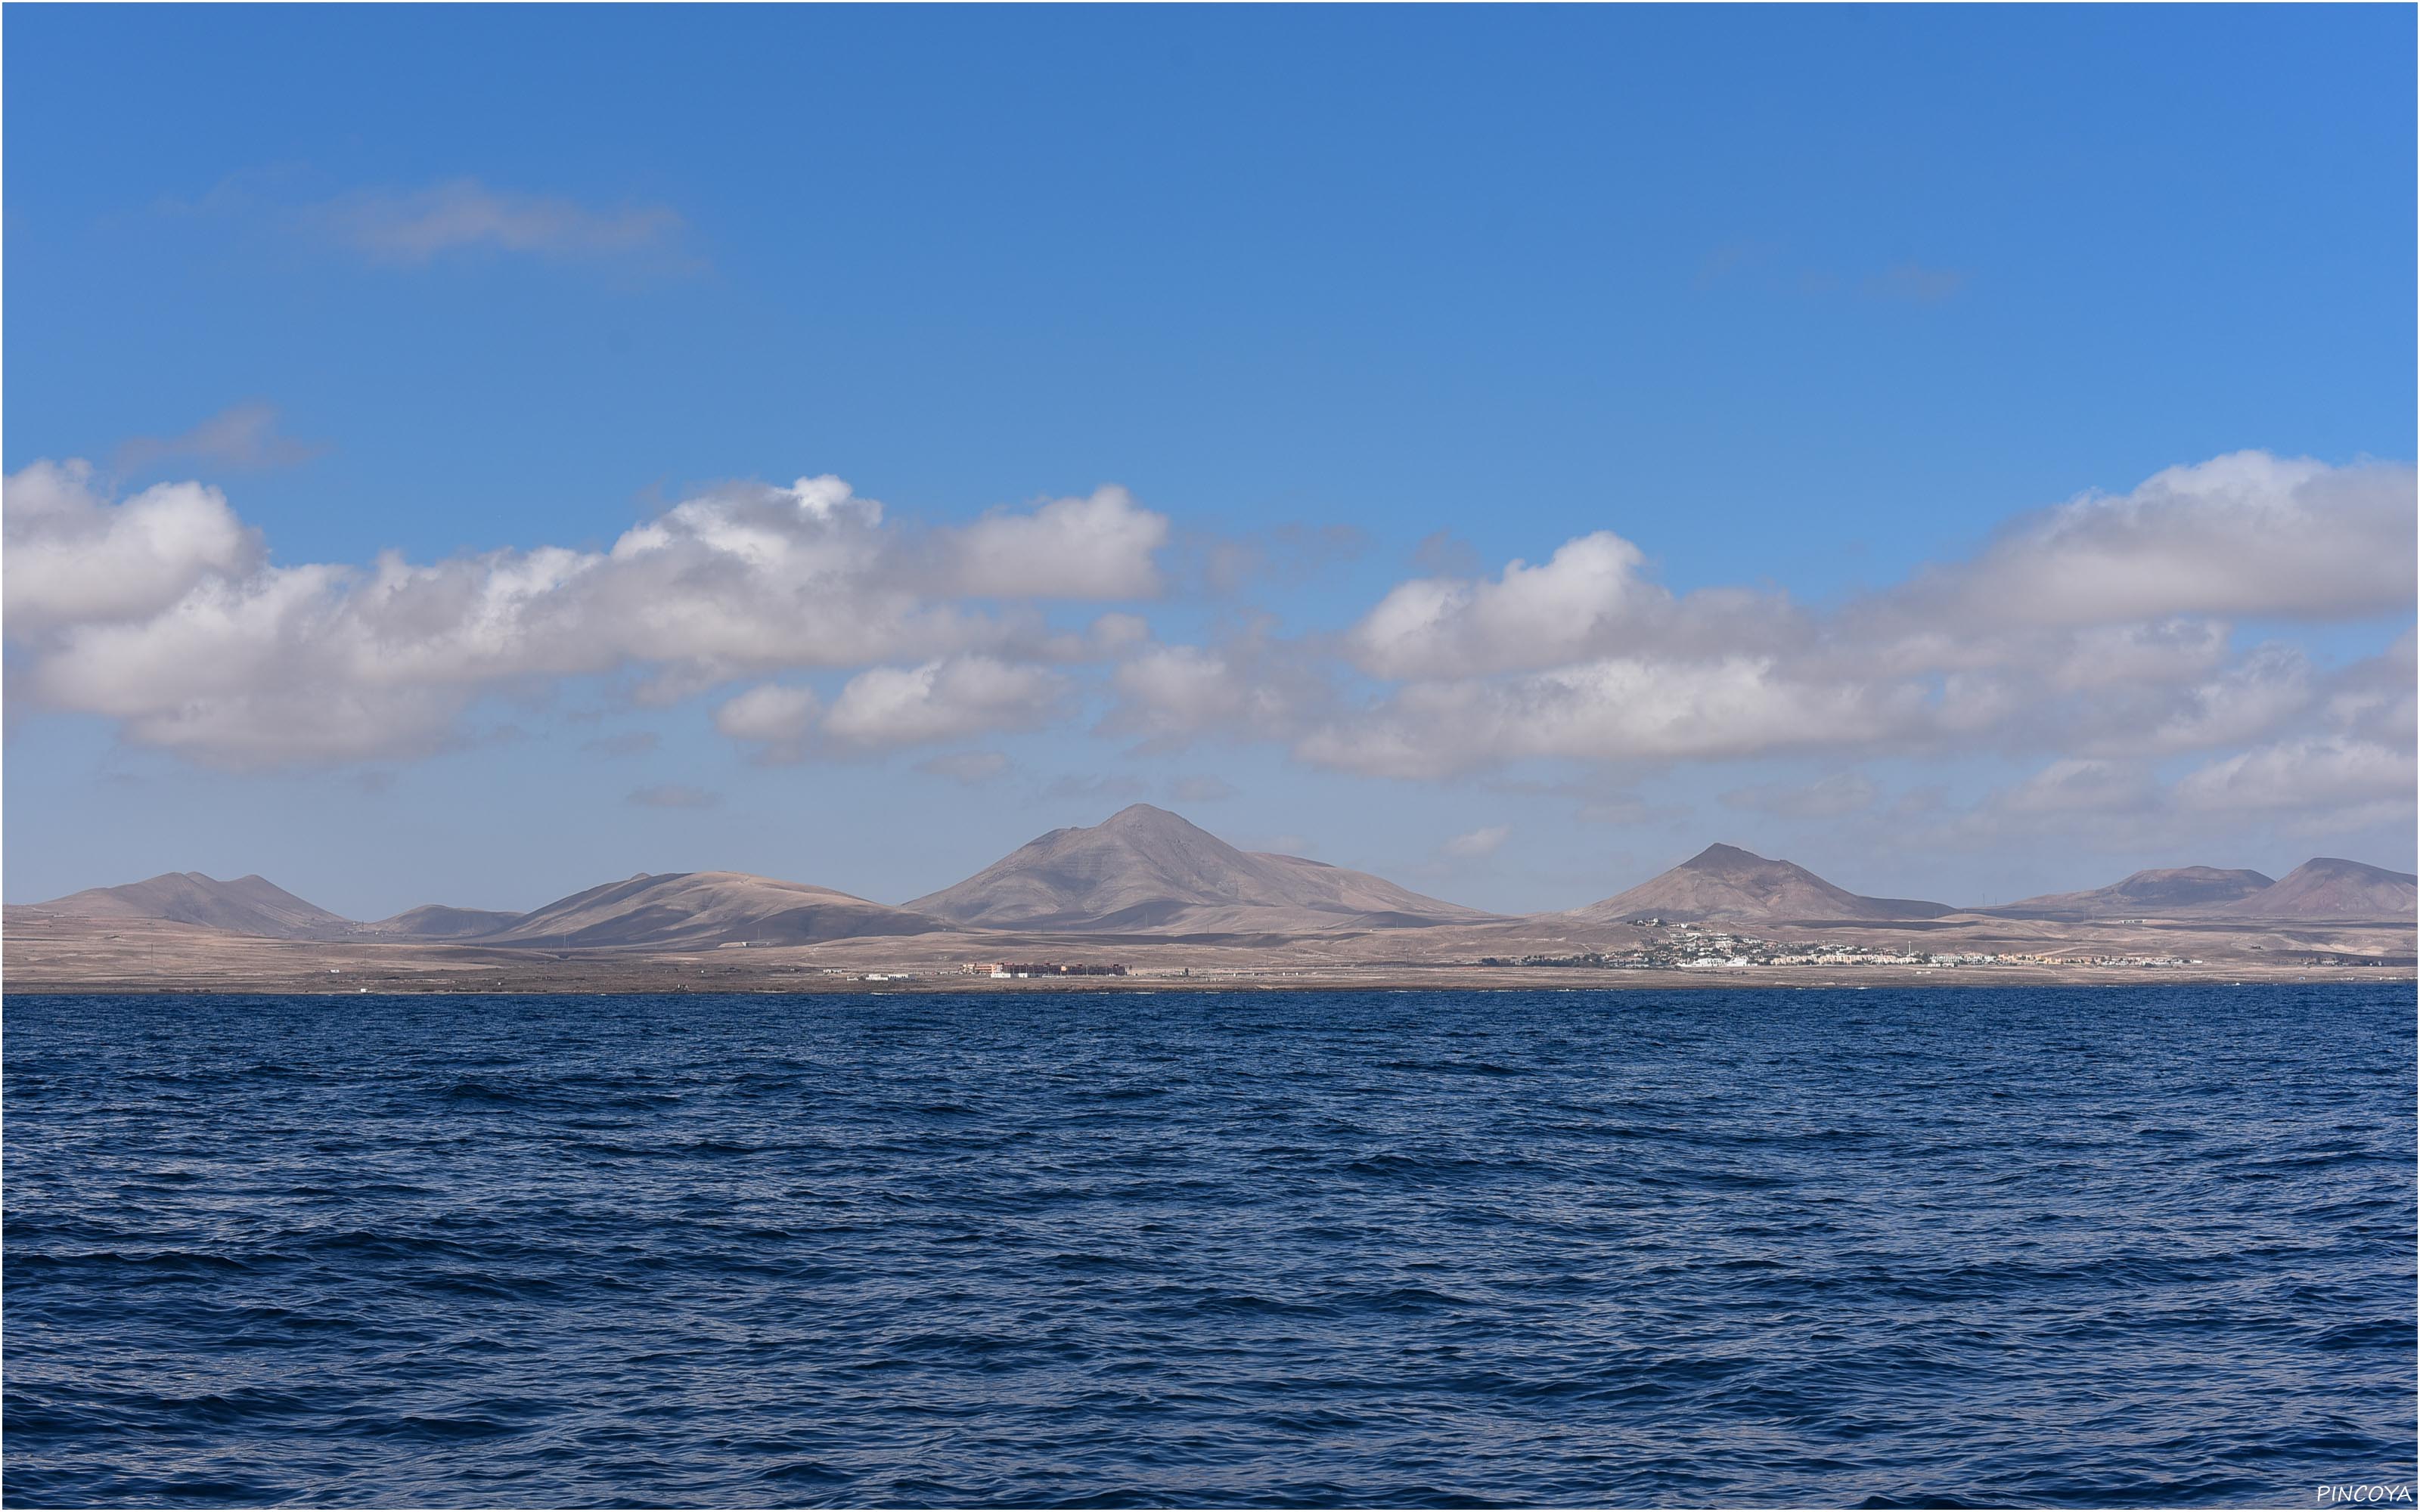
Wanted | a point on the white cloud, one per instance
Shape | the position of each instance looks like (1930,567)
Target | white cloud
(1531,616)
(1477,842)
(2101,627)
(1251,687)
(73,557)
(2079,786)
(775,717)
(416,225)
(2322,773)
(2374,699)
(1096,547)
(2101,635)
(943,700)
(163,613)
(1182,689)
(1618,708)
(2243,535)
(2268,688)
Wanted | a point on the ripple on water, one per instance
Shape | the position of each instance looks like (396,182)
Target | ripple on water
(1870,1247)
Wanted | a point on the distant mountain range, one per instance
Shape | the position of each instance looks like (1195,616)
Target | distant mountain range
(2322,887)
(2145,893)
(1145,871)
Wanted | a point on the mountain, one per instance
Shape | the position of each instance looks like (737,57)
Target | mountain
(436,921)
(247,905)
(694,909)
(1725,883)
(1144,868)
(2170,890)
(2328,887)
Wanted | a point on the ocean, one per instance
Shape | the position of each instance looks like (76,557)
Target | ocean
(2023,1247)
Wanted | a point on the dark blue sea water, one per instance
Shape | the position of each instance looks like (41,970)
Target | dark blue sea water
(1989,1245)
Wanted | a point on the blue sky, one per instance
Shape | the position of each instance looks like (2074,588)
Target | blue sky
(1802,303)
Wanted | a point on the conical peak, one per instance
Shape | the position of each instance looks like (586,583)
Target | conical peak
(1720,856)
(1145,816)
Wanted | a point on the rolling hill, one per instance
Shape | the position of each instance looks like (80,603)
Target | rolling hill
(436,921)
(2149,894)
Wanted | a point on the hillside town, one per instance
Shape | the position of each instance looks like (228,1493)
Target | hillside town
(1692,948)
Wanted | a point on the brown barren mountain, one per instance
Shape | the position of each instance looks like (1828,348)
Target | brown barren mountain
(2328,887)
(436,921)
(2175,889)
(1725,884)
(691,909)
(247,905)
(1144,869)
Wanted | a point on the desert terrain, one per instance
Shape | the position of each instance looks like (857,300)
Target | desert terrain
(1165,905)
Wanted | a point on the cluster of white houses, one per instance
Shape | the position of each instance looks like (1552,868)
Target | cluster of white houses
(1008,970)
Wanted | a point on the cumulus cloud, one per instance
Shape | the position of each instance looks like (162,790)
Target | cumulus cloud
(775,718)
(1251,686)
(2334,771)
(2104,626)
(2243,535)
(162,611)
(947,699)
(1531,616)
(1095,547)
(2081,786)
(73,557)
(1612,709)
(416,225)
(2106,634)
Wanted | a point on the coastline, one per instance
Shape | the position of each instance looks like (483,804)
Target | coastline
(52,955)
(600,979)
